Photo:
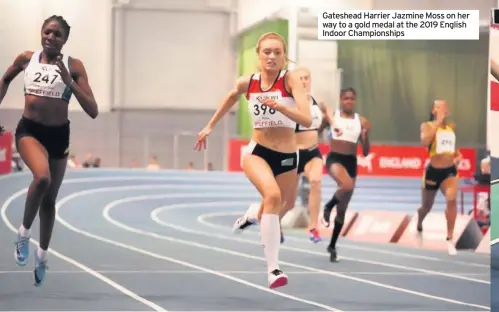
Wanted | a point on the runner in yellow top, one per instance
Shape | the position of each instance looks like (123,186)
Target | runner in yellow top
(441,172)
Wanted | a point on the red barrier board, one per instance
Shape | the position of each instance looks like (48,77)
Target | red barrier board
(5,153)
(484,246)
(383,160)
(350,217)
(378,226)
(434,231)
(494,96)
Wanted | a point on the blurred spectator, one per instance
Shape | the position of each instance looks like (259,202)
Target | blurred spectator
(96,163)
(483,200)
(190,166)
(134,163)
(484,176)
(88,161)
(210,166)
(153,164)
(73,162)
(485,165)
(483,211)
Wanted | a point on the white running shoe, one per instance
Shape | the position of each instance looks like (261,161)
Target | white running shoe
(419,239)
(451,249)
(277,279)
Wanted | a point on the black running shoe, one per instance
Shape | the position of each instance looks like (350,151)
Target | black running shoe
(333,255)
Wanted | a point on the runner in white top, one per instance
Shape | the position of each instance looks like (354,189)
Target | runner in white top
(42,134)
(341,162)
(310,162)
(277,101)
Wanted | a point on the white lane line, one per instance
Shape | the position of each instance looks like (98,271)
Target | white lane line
(154,216)
(107,216)
(246,187)
(202,220)
(77,264)
(68,198)
(180,272)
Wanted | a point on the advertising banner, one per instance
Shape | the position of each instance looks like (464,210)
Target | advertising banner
(493,111)
(5,153)
(383,160)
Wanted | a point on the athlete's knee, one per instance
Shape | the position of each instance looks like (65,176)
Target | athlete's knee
(315,184)
(41,181)
(451,201)
(451,196)
(347,186)
(272,202)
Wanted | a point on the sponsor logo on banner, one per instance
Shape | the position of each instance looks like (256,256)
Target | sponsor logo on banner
(5,153)
(366,161)
(350,217)
(378,226)
(383,160)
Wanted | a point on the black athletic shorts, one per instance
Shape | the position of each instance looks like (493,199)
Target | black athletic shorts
(349,162)
(433,177)
(278,162)
(306,155)
(55,139)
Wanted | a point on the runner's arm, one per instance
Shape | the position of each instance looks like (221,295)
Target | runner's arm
(364,138)
(12,71)
(427,133)
(241,86)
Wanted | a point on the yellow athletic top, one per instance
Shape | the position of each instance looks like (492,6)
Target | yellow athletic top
(444,142)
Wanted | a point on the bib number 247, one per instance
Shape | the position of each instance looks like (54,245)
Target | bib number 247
(261,109)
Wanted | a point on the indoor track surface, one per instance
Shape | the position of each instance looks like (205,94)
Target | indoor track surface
(132,240)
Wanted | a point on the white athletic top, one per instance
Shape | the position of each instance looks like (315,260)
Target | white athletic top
(263,116)
(44,81)
(317,117)
(351,128)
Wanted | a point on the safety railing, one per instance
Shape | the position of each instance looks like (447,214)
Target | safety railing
(173,151)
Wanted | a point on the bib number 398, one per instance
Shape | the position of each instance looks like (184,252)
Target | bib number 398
(262,109)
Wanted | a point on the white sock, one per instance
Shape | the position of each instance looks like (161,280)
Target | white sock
(24,231)
(270,232)
(42,254)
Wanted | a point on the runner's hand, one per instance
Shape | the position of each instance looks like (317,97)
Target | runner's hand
(337,131)
(202,137)
(441,114)
(63,71)
(457,159)
(272,104)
